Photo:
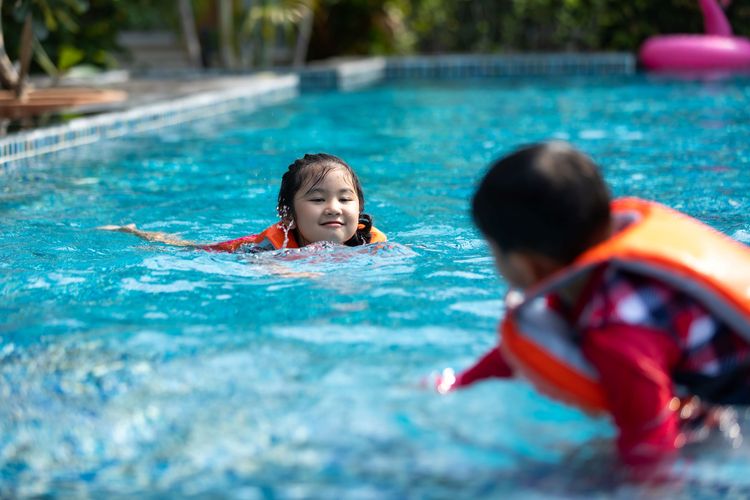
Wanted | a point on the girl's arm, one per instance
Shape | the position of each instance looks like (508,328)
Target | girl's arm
(157,236)
(225,246)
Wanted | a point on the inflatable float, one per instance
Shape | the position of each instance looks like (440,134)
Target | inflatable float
(718,49)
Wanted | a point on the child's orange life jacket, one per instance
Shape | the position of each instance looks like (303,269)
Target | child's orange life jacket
(661,243)
(274,237)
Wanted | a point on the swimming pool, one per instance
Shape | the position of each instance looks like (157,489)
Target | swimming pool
(128,367)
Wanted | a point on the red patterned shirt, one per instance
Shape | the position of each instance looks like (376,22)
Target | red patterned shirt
(650,343)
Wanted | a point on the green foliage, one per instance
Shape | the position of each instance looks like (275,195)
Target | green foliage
(71,32)
(347,27)
(68,57)
(50,15)
(147,14)
(359,26)
(93,42)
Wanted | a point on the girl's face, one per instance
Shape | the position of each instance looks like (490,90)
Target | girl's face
(328,211)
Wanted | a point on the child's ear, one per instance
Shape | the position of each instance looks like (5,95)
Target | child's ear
(541,266)
(523,269)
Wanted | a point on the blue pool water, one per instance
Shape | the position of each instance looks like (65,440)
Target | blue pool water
(130,368)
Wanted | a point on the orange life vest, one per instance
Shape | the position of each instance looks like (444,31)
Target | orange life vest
(274,237)
(661,243)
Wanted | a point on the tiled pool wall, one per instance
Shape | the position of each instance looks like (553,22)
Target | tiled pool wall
(330,75)
(493,66)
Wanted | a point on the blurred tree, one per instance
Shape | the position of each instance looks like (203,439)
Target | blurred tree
(226,31)
(38,18)
(189,33)
(357,27)
(250,33)
(59,34)
(431,26)
(274,25)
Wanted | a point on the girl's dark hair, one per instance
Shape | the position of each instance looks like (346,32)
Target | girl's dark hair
(547,198)
(300,172)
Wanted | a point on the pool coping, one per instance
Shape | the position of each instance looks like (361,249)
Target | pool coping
(336,74)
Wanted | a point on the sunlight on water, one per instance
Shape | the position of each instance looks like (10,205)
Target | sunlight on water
(129,367)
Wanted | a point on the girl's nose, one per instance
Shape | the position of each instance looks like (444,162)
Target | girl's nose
(333,207)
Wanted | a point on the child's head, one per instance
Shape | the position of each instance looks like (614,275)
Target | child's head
(321,198)
(541,207)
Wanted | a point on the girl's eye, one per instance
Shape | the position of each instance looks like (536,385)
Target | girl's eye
(317,200)
(346,199)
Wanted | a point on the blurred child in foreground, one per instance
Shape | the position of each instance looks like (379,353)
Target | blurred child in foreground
(628,307)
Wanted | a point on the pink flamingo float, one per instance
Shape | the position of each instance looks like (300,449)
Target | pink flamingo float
(718,49)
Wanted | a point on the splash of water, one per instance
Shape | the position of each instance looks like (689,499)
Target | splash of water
(284,216)
(285,228)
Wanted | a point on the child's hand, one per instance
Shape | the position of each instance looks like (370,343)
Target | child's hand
(441,382)
(127,228)
(445,381)
(699,421)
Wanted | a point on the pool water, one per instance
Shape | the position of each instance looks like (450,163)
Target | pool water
(129,368)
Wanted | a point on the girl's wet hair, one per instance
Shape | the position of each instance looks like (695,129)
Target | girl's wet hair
(312,169)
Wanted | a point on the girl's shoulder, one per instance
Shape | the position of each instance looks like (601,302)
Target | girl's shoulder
(377,236)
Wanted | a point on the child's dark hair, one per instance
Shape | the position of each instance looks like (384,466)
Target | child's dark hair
(298,174)
(546,198)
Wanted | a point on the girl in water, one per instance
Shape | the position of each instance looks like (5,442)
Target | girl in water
(320,199)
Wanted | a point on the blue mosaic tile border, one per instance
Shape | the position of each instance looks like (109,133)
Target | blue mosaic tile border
(261,92)
(346,75)
(474,66)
